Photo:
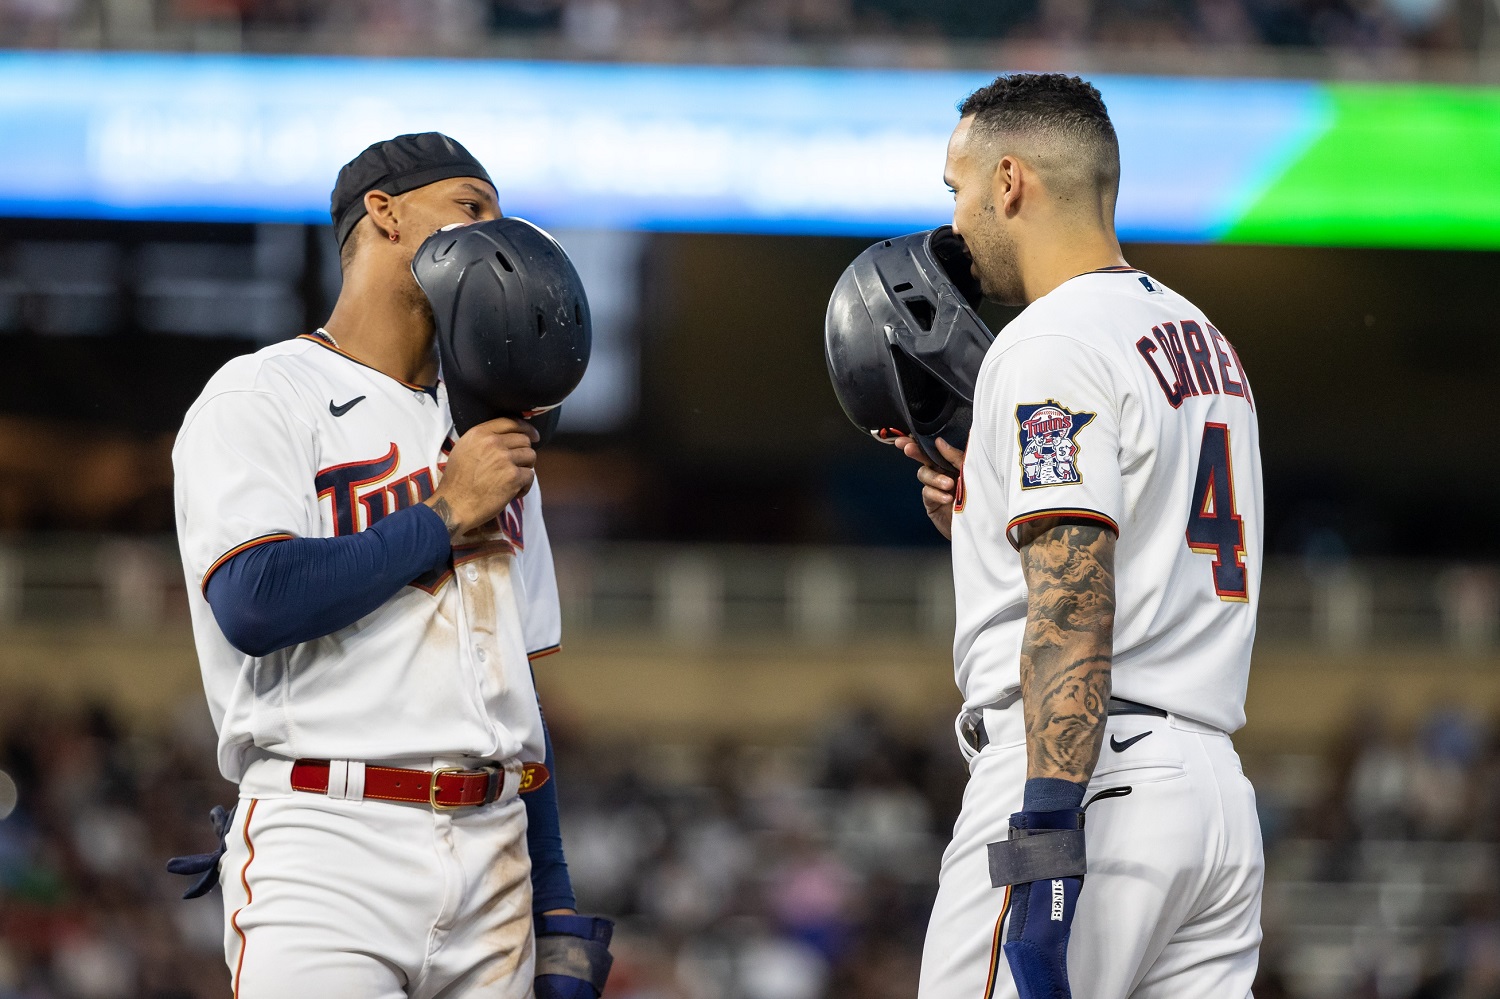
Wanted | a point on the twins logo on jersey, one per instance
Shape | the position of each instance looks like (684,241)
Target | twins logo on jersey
(361,493)
(1049,443)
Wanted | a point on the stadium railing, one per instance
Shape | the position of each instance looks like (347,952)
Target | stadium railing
(790,594)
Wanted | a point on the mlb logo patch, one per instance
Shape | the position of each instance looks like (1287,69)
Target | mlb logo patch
(1049,443)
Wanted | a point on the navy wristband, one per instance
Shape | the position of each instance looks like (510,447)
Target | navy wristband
(1052,794)
(585,927)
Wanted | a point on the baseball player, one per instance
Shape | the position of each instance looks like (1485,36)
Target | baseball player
(1106,536)
(367,591)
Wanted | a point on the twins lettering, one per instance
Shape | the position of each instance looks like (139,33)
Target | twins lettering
(362,493)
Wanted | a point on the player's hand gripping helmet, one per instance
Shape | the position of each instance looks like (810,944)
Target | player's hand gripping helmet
(904,342)
(512,320)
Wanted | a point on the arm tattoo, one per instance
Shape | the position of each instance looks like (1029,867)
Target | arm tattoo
(1068,647)
(442,509)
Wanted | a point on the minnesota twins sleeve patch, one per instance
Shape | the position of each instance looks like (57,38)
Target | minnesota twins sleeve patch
(1049,444)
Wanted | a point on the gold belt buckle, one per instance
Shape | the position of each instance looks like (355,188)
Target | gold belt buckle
(432,788)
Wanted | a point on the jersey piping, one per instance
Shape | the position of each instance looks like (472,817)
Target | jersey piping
(345,354)
(237,549)
(234,920)
(1070,514)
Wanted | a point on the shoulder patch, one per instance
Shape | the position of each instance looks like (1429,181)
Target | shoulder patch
(1049,445)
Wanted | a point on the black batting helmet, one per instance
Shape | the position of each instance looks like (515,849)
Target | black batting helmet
(511,317)
(904,341)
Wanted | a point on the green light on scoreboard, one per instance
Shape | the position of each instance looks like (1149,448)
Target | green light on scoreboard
(1413,166)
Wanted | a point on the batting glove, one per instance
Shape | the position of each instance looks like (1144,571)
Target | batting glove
(205,864)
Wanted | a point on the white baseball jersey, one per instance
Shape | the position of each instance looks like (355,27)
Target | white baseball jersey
(302,440)
(1114,399)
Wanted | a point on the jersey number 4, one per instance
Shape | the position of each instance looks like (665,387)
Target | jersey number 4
(1214,526)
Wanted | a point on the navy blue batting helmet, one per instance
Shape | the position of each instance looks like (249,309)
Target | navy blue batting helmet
(904,341)
(511,317)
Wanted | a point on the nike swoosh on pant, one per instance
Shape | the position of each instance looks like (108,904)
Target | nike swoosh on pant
(1120,747)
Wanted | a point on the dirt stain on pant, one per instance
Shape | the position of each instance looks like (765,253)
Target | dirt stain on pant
(506,913)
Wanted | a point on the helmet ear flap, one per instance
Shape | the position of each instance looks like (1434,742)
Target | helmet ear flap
(929,403)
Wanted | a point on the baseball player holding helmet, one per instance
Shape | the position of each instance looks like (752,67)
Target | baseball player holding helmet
(369,579)
(1097,469)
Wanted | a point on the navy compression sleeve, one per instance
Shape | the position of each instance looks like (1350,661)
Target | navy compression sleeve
(284,592)
(551,887)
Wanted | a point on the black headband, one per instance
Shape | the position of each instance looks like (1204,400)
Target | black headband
(396,166)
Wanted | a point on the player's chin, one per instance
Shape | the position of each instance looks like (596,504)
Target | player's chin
(1001,293)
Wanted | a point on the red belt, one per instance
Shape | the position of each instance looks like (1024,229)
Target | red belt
(450,787)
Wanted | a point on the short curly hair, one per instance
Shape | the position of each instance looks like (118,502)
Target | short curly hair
(1063,107)
(1017,101)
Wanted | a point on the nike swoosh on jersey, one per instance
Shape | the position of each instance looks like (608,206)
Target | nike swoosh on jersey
(1120,747)
(341,410)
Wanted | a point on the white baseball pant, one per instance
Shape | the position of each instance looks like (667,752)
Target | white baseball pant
(1170,907)
(326,898)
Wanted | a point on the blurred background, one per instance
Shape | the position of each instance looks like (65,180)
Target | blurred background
(754,703)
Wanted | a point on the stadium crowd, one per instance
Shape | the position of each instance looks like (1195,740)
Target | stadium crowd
(737,871)
(600,28)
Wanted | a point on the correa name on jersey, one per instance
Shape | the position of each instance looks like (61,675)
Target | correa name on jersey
(1192,362)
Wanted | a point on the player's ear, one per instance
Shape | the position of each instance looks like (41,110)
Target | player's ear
(381,208)
(1006,184)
